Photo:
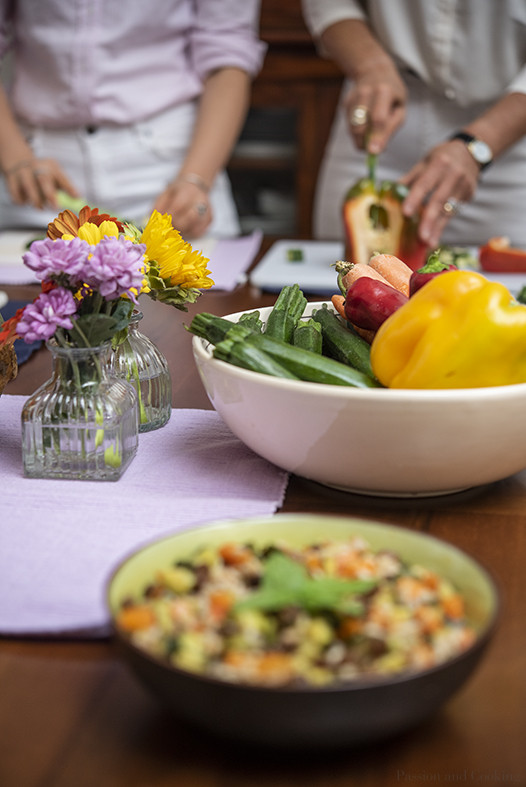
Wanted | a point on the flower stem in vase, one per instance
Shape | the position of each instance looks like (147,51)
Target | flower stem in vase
(140,362)
(82,423)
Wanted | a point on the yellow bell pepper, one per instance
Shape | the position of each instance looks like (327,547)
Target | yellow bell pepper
(458,331)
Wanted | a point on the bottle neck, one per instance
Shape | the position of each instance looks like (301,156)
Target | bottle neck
(80,366)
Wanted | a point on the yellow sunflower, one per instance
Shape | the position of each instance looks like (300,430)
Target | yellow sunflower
(171,258)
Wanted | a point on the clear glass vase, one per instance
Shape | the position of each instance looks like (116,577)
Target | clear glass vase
(82,423)
(140,362)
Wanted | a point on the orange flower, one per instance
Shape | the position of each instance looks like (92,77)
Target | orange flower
(67,223)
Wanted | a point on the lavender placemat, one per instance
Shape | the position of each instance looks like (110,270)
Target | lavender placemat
(230,258)
(59,540)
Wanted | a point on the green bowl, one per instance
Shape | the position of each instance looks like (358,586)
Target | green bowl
(347,714)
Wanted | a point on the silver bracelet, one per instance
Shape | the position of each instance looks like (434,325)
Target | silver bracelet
(196,180)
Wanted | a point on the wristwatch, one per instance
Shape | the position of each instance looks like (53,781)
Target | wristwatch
(480,151)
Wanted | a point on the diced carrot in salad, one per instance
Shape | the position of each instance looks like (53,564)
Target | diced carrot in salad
(234,554)
(135,618)
(221,601)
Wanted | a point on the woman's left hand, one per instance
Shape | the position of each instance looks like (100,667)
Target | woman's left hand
(438,185)
(189,206)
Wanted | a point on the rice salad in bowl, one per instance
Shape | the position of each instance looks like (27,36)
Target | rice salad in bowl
(297,630)
(331,611)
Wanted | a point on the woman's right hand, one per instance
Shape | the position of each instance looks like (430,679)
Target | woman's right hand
(35,182)
(375,106)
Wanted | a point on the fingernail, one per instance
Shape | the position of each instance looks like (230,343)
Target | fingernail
(425,235)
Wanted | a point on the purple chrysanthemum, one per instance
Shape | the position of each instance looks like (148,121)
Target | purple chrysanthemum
(115,268)
(49,311)
(50,258)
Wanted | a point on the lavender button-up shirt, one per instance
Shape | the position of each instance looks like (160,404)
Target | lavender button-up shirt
(80,62)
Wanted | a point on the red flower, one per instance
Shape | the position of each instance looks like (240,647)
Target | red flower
(8,329)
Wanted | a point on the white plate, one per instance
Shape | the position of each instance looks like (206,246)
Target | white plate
(13,244)
(314,273)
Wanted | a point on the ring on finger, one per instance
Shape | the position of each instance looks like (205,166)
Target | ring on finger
(201,208)
(359,115)
(451,206)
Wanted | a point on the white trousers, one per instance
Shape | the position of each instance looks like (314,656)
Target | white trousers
(121,170)
(498,207)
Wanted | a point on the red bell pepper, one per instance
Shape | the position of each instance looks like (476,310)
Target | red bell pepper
(369,302)
(498,256)
(374,223)
(433,267)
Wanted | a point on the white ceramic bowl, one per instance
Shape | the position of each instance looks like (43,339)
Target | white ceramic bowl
(373,441)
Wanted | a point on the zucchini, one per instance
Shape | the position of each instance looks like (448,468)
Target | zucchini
(252,320)
(307,335)
(285,314)
(240,345)
(237,351)
(343,343)
(209,327)
(306,365)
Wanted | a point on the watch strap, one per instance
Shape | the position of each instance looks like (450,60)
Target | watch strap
(468,139)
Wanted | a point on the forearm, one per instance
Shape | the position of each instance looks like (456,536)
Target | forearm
(222,112)
(377,89)
(30,180)
(354,48)
(503,124)
(13,147)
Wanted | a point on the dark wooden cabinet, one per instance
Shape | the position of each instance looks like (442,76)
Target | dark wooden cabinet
(275,165)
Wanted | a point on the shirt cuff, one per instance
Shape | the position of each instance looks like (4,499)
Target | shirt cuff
(321,15)
(209,55)
(518,85)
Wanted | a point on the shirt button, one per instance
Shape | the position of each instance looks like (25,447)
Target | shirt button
(450,93)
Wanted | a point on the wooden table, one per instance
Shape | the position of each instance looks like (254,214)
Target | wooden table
(71,715)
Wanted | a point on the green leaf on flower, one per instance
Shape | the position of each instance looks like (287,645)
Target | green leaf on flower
(96,328)
(133,232)
(175,296)
(286,582)
(122,313)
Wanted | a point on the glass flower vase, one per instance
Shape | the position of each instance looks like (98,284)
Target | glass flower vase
(82,423)
(139,361)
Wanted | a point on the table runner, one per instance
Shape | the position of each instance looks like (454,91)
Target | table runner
(59,540)
(230,258)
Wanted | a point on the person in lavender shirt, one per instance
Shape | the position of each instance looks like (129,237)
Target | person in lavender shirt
(128,106)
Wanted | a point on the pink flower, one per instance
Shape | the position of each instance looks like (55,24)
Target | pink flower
(48,312)
(115,268)
(51,258)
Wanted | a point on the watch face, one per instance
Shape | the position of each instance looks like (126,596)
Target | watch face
(480,151)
